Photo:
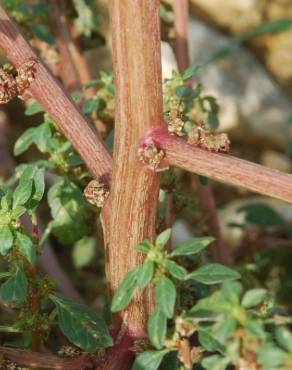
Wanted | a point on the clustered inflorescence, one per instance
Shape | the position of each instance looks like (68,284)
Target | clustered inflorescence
(14,82)
(191,115)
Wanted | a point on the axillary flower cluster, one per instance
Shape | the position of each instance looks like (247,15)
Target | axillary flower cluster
(192,115)
(14,82)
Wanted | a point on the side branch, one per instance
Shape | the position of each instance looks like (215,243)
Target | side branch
(224,168)
(54,100)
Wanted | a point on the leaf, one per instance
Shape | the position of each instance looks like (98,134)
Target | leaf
(84,251)
(256,328)
(185,92)
(125,291)
(17,212)
(261,215)
(40,136)
(210,343)
(68,212)
(192,246)
(175,270)
(144,246)
(6,239)
(42,32)
(284,338)
(145,274)
(213,120)
(163,238)
(149,360)
(91,106)
(165,296)
(215,362)
(224,330)
(190,72)
(5,198)
(213,273)
(270,357)
(33,108)
(253,297)
(25,186)
(157,325)
(26,247)
(81,325)
(13,291)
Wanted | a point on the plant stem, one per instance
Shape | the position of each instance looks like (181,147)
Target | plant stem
(224,168)
(206,195)
(68,71)
(134,194)
(43,361)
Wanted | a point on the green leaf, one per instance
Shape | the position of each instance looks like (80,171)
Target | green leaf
(5,198)
(25,187)
(91,106)
(40,136)
(224,330)
(175,270)
(145,274)
(213,273)
(165,296)
(6,239)
(33,108)
(190,72)
(144,246)
(192,246)
(261,215)
(284,338)
(253,297)
(157,325)
(26,247)
(149,360)
(215,362)
(81,325)
(17,212)
(256,328)
(210,343)
(213,120)
(14,290)
(42,32)
(185,92)
(125,291)
(270,357)
(163,238)
(84,251)
(68,212)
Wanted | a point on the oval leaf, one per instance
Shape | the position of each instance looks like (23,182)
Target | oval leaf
(192,246)
(213,273)
(149,360)
(125,291)
(253,297)
(81,325)
(157,325)
(145,274)
(175,270)
(165,296)
(6,239)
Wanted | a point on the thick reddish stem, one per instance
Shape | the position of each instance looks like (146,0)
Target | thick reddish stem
(224,168)
(134,195)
